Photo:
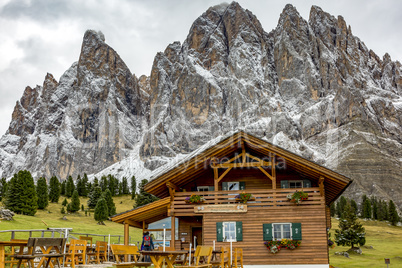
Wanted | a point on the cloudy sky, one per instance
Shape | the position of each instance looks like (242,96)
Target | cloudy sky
(41,36)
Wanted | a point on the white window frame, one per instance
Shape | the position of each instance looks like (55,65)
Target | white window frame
(227,239)
(202,188)
(281,224)
(234,182)
(300,181)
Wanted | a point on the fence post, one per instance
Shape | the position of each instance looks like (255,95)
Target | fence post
(119,240)
(30,234)
(12,235)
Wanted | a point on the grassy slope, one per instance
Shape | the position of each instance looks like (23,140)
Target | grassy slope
(78,221)
(385,239)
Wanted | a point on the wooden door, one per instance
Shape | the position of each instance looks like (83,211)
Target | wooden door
(197,232)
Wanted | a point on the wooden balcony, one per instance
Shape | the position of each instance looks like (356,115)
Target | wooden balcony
(276,198)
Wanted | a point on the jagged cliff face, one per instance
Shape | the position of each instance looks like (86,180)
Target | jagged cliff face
(84,123)
(309,86)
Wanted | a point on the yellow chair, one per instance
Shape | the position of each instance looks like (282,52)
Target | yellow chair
(204,254)
(76,252)
(237,260)
(224,259)
(99,254)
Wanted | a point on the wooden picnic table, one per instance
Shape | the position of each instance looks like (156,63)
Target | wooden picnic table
(4,244)
(158,257)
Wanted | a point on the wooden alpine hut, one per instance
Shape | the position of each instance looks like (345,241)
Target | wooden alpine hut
(241,189)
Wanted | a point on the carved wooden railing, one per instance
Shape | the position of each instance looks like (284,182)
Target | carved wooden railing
(263,198)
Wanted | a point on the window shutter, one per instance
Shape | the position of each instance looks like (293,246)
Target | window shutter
(284,184)
(307,183)
(267,228)
(242,185)
(219,232)
(224,186)
(296,231)
(239,231)
(211,188)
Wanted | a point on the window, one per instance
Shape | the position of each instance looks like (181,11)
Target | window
(295,184)
(158,235)
(233,186)
(282,230)
(229,231)
(203,188)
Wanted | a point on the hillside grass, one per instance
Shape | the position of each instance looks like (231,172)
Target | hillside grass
(385,239)
(51,217)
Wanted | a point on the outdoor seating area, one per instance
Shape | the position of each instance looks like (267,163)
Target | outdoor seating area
(57,252)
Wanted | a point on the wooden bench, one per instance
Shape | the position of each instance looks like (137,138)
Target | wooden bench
(49,248)
(223,261)
(126,251)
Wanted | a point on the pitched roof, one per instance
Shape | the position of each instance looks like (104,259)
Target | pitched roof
(184,170)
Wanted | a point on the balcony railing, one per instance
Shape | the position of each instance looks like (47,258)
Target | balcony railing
(263,198)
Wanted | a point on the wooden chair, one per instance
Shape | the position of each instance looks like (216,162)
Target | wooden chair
(76,252)
(49,248)
(99,254)
(224,259)
(89,241)
(237,260)
(123,251)
(202,253)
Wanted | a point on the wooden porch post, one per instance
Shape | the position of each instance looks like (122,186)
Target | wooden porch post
(173,232)
(126,233)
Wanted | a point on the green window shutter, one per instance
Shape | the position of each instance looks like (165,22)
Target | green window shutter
(284,184)
(225,186)
(296,231)
(307,183)
(267,228)
(211,188)
(239,231)
(242,185)
(219,232)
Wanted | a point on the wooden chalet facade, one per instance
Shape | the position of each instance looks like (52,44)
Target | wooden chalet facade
(236,164)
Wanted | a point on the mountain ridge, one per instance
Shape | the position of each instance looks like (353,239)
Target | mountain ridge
(311,87)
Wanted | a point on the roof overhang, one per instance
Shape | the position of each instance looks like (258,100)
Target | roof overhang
(149,213)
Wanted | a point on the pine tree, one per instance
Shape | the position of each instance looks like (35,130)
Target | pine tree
(351,231)
(340,206)
(374,205)
(75,202)
(333,209)
(82,208)
(70,187)
(380,211)
(385,209)
(42,193)
(64,202)
(101,211)
(107,195)
(78,185)
(367,209)
(364,198)
(63,188)
(353,204)
(103,183)
(54,190)
(94,195)
(29,199)
(13,195)
(85,185)
(120,188)
(393,214)
(69,207)
(143,198)
(124,183)
(63,210)
(113,184)
(133,187)
(3,188)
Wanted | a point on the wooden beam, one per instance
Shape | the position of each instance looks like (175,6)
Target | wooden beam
(266,173)
(321,185)
(172,186)
(143,227)
(242,165)
(243,151)
(133,223)
(273,171)
(223,175)
(173,232)
(126,233)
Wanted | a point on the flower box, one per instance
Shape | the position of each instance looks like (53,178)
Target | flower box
(297,197)
(194,199)
(275,246)
(244,197)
